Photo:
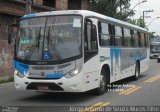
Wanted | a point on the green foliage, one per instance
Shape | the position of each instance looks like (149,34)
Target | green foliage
(138,22)
(119,9)
(151,35)
(10,79)
(141,23)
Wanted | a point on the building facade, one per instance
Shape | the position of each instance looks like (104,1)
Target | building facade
(12,10)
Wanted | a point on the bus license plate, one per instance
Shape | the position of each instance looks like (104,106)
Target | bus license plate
(42,88)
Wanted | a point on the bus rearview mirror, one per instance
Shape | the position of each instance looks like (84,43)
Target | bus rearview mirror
(9,38)
(10,30)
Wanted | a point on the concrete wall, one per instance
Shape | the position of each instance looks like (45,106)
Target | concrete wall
(62,4)
(6,55)
(38,2)
(78,4)
(85,4)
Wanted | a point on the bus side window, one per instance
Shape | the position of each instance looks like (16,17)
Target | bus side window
(147,35)
(139,39)
(111,33)
(103,30)
(122,38)
(142,39)
(132,38)
(118,36)
(146,40)
(87,43)
(136,43)
(91,37)
(94,44)
(127,37)
(90,40)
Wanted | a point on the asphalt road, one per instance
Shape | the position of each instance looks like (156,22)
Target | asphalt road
(143,92)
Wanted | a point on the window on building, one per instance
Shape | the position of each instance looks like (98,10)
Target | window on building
(74,4)
(50,3)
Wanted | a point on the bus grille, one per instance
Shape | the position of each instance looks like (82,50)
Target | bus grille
(42,67)
(51,86)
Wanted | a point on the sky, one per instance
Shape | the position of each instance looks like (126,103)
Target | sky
(149,5)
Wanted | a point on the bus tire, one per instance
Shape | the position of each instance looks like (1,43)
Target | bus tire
(158,60)
(137,71)
(103,84)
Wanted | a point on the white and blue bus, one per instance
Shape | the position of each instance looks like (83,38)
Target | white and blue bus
(77,51)
(154,49)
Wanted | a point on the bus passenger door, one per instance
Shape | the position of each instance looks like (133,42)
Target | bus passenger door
(91,59)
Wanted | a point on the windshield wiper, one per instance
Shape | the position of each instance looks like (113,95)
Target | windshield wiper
(53,47)
(30,51)
(32,48)
(51,43)
(38,38)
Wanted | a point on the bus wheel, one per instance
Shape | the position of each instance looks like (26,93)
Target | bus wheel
(158,60)
(103,84)
(137,72)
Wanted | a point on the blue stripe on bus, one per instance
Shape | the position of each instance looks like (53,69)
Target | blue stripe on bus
(140,58)
(21,67)
(28,16)
(54,76)
(115,54)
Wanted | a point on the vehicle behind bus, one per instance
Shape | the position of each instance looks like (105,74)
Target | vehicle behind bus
(154,50)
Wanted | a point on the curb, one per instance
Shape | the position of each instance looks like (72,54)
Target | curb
(6,79)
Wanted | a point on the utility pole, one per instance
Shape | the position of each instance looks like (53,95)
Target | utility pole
(28,6)
(144,13)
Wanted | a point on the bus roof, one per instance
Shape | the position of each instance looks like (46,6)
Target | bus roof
(85,13)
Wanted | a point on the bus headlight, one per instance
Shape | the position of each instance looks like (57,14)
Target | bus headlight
(18,74)
(72,73)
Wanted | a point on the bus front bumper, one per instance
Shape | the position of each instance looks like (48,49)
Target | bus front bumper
(52,85)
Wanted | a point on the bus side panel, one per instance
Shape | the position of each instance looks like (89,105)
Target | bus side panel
(129,59)
(123,61)
(91,73)
(115,54)
(105,59)
(145,63)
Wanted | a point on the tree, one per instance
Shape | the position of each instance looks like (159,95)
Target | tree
(152,35)
(138,22)
(141,23)
(119,9)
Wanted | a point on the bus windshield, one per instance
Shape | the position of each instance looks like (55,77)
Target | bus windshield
(51,38)
(155,48)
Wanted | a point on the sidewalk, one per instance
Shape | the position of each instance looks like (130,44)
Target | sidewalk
(5,73)
(4,77)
